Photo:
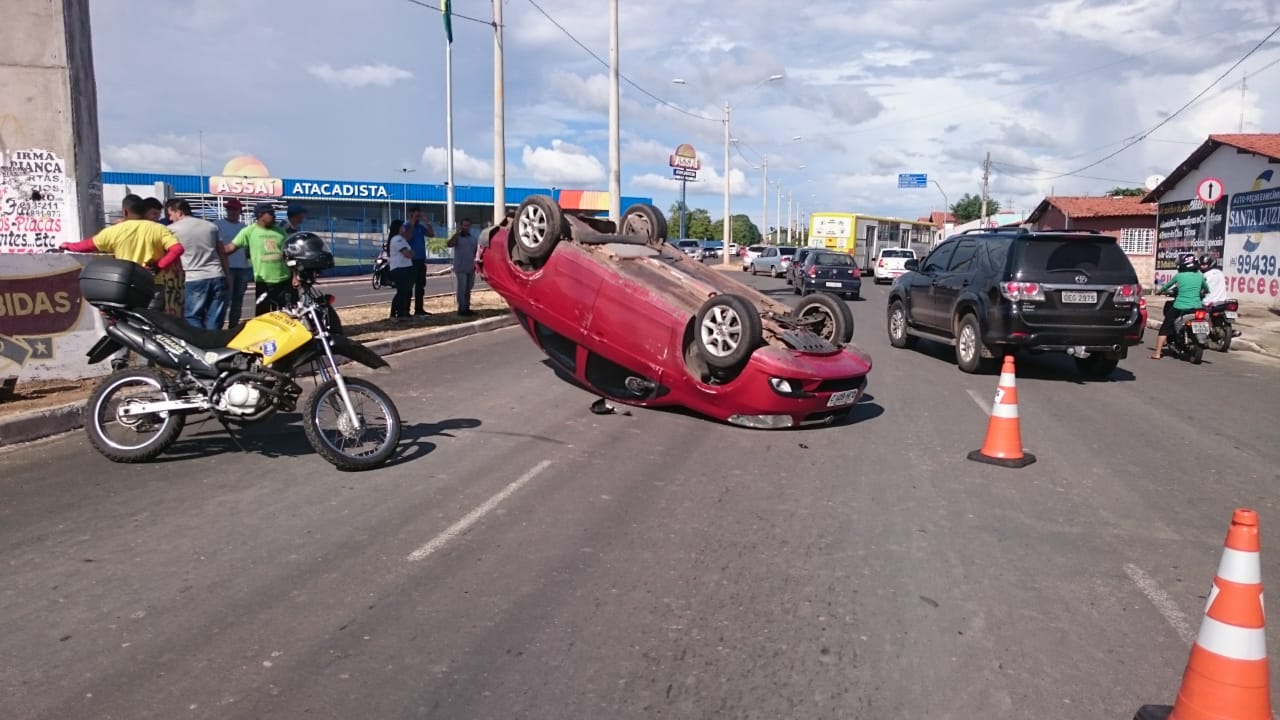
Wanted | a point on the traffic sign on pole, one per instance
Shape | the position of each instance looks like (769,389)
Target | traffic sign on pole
(1210,190)
(913,180)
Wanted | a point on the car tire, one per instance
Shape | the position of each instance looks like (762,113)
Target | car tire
(727,330)
(773,271)
(837,327)
(1098,366)
(969,345)
(897,320)
(753,268)
(539,225)
(647,220)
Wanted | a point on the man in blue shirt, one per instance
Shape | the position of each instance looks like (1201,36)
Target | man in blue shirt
(421,231)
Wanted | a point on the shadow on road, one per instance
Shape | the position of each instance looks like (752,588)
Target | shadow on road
(1055,367)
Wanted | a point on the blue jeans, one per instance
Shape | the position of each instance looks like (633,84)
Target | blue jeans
(466,281)
(203,302)
(240,279)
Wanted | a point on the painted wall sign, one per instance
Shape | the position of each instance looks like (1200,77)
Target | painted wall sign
(45,326)
(34,211)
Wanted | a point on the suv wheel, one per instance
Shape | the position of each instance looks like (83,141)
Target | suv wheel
(969,345)
(1098,366)
(898,336)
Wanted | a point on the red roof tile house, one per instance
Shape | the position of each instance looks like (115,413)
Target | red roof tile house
(1127,218)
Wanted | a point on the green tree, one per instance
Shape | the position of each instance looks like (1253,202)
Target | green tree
(969,208)
(745,232)
(697,223)
(1126,192)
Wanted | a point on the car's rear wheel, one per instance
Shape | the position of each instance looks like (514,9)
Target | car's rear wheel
(647,220)
(834,319)
(728,330)
(539,225)
(969,345)
(898,335)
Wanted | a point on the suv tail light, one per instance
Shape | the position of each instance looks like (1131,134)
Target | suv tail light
(1016,291)
(856,271)
(1127,294)
(813,271)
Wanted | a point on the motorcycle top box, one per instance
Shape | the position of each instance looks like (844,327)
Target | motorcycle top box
(118,283)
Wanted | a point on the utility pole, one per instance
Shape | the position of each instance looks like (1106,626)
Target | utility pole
(777,240)
(499,122)
(764,198)
(615,115)
(986,178)
(727,229)
(1244,86)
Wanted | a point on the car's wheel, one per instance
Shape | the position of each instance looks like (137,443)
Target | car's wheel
(647,220)
(969,345)
(898,335)
(752,269)
(539,226)
(728,330)
(1098,366)
(835,320)
(773,271)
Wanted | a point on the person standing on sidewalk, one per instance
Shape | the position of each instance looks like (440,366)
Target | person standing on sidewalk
(238,270)
(421,231)
(204,263)
(400,257)
(464,245)
(136,239)
(273,282)
(293,219)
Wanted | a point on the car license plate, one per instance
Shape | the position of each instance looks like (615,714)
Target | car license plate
(1231,315)
(833,284)
(844,397)
(1201,328)
(1071,296)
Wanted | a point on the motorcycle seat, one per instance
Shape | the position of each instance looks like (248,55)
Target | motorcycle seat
(198,337)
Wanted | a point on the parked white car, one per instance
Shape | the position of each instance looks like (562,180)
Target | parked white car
(889,265)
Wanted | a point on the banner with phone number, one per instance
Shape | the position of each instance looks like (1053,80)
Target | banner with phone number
(1251,253)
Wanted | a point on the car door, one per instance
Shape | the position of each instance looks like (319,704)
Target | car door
(920,284)
(767,259)
(948,286)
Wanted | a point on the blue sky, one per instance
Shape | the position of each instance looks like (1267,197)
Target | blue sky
(354,89)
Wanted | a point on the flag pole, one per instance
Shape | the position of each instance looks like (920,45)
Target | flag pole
(450,205)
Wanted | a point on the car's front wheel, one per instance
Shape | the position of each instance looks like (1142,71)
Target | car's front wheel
(539,225)
(898,335)
(830,318)
(728,330)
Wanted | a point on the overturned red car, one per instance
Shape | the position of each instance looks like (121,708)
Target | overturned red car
(638,321)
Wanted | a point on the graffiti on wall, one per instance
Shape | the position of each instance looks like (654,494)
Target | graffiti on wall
(34,209)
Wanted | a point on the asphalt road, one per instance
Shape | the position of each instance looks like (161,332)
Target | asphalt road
(527,559)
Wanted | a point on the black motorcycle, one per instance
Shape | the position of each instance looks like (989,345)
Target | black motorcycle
(1190,333)
(382,272)
(1222,317)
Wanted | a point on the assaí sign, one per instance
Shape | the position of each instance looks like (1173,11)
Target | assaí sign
(246,176)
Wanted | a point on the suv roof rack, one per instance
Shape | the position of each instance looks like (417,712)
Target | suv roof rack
(1068,231)
(1018,230)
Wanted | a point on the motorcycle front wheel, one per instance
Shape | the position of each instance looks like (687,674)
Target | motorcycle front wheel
(131,439)
(344,446)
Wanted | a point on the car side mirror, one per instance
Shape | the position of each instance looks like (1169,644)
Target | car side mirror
(911,265)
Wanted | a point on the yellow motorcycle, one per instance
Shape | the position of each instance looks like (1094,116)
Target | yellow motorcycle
(240,376)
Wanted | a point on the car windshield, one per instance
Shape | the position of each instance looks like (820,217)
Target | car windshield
(833,259)
(897,254)
(1099,260)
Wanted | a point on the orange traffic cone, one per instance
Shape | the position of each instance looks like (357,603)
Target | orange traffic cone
(1227,676)
(1003,445)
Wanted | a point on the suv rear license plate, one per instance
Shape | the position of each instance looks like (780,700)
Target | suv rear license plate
(1201,328)
(1071,296)
(833,284)
(844,397)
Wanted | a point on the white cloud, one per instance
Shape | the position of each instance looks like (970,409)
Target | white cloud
(357,76)
(709,182)
(149,157)
(436,159)
(562,164)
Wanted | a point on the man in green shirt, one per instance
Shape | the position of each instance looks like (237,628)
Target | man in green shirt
(273,282)
(1191,288)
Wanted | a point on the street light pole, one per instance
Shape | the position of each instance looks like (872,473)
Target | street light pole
(946,210)
(728,225)
(764,199)
(790,195)
(615,113)
(499,124)
(404,190)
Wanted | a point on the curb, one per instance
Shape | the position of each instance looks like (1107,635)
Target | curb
(39,424)
(1237,343)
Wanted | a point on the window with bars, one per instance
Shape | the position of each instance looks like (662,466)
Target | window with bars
(1138,241)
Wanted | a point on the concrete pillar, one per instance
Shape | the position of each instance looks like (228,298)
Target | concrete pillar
(50,168)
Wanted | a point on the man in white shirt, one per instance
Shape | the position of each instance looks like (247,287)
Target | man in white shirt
(239,270)
(401,262)
(203,265)
(1214,279)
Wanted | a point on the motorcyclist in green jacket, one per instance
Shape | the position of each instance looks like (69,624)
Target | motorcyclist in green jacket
(1191,287)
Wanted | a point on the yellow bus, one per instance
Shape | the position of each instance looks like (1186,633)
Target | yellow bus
(863,236)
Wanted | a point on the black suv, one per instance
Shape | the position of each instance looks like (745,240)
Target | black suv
(988,292)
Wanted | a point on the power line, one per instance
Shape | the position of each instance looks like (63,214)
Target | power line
(1175,113)
(429,6)
(628,80)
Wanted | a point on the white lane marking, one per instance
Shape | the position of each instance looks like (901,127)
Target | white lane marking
(983,403)
(474,516)
(1164,604)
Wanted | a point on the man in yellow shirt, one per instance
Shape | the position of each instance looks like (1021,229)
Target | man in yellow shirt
(136,240)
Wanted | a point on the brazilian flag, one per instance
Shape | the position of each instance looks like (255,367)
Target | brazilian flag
(447,11)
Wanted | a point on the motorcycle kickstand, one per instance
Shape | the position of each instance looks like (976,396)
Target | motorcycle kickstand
(231,434)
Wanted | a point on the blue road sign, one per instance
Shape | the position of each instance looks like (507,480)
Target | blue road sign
(913,180)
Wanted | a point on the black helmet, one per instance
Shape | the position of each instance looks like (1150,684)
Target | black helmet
(1187,263)
(1207,261)
(307,251)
